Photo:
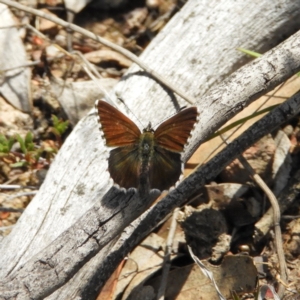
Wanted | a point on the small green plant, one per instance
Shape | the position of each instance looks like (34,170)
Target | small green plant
(235,296)
(32,154)
(26,144)
(5,144)
(59,126)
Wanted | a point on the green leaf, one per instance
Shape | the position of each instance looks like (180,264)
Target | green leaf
(19,164)
(3,139)
(50,150)
(235,296)
(11,142)
(54,120)
(29,141)
(62,127)
(59,125)
(249,52)
(22,143)
(3,144)
(28,137)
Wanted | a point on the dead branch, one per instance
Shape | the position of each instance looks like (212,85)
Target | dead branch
(41,252)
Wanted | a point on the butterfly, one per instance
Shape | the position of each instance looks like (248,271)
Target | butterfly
(151,158)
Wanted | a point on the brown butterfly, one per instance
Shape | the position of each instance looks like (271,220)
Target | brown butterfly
(150,158)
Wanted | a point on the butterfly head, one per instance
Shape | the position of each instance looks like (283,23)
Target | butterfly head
(148,128)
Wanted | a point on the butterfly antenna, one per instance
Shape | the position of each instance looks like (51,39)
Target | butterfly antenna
(127,107)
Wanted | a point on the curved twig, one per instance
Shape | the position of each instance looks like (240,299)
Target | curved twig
(126,53)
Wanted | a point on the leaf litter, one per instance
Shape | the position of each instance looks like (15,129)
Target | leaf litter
(232,202)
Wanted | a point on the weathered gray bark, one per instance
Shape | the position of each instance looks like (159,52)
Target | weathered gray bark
(196,50)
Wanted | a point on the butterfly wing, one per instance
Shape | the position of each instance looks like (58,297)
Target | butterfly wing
(117,128)
(173,133)
(165,168)
(124,166)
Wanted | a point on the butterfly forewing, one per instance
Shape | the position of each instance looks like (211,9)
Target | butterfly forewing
(118,129)
(173,133)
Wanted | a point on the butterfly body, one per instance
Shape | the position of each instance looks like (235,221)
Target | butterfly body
(146,153)
(145,160)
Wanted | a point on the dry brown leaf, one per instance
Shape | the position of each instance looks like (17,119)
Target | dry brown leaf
(98,56)
(46,25)
(145,260)
(260,157)
(178,238)
(108,290)
(235,273)
(13,120)
(223,193)
(292,245)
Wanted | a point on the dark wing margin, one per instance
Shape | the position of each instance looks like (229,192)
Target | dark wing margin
(165,169)
(173,133)
(124,166)
(118,129)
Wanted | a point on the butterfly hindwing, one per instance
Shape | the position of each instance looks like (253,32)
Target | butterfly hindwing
(173,133)
(165,168)
(118,129)
(124,166)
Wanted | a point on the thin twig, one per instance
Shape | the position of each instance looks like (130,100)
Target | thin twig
(276,218)
(277,229)
(206,272)
(11,209)
(92,73)
(29,64)
(6,227)
(11,197)
(167,257)
(84,32)
(41,35)
(288,217)
(15,186)
(285,199)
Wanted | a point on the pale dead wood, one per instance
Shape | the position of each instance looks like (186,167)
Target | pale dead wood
(84,238)
(77,178)
(15,74)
